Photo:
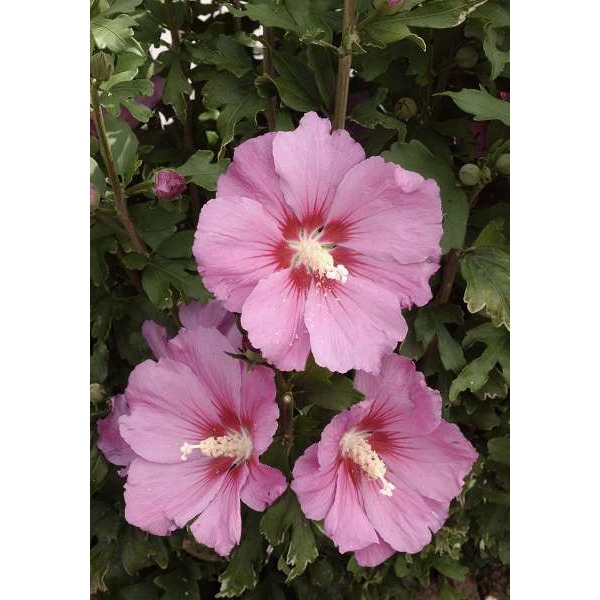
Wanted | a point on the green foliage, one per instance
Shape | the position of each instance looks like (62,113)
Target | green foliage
(216,95)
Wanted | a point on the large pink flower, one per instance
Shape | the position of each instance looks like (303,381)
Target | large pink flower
(318,247)
(384,472)
(198,421)
(115,449)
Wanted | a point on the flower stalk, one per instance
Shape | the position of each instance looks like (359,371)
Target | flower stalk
(344,65)
(269,44)
(120,197)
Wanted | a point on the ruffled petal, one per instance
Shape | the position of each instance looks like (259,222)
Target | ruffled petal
(314,487)
(156,338)
(168,406)
(374,555)
(115,449)
(263,486)
(220,525)
(311,161)
(205,352)
(252,174)
(211,314)
(159,498)
(236,245)
(402,404)
(259,410)
(273,315)
(346,522)
(352,324)
(434,465)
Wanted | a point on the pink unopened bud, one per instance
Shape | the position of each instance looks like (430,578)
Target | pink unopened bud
(169,184)
(393,3)
(94,198)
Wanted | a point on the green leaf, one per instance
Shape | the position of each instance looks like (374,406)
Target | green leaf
(100,556)
(438,14)
(317,385)
(123,146)
(178,584)
(98,469)
(122,6)
(450,568)
(430,323)
(447,592)
(140,550)
(499,449)
(224,52)
(98,250)
(371,114)
(177,87)
(157,288)
(386,29)
(179,245)
(135,261)
(156,222)
(486,270)
(321,62)
(241,572)
(481,105)
(498,58)
(296,83)
(115,34)
(97,177)
(414,156)
(476,374)
(202,171)
(237,98)
(162,275)
(281,517)
(126,69)
(99,363)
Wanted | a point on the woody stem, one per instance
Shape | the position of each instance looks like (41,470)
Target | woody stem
(344,65)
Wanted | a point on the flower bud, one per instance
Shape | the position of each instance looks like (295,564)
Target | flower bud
(469,174)
(94,198)
(392,3)
(169,184)
(97,393)
(406,108)
(486,174)
(503,164)
(101,66)
(466,57)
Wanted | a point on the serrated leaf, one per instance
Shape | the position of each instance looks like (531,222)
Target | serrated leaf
(414,156)
(236,98)
(99,363)
(438,14)
(123,145)
(98,469)
(476,374)
(177,585)
(450,568)
(140,550)
(295,83)
(97,177)
(121,6)
(499,449)
(370,114)
(179,245)
(177,87)
(100,556)
(498,58)
(115,34)
(202,171)
(135,261)
(98,250)
(481,105)
(224,52)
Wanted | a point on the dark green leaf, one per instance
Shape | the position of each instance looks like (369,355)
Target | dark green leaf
(179,245)
(371,114)
(99,363)
(499,449)
(115,34)
(177,87)
(97,177)
(123,145)
(135,261)
(140,550)
(224,52)
(296,83)
(450,568)
(481,105)
(98,469)
(178,585)
(202,171)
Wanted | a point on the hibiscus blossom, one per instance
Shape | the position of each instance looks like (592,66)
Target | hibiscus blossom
(115,449)
(384,472)
(198,421)
(318,247)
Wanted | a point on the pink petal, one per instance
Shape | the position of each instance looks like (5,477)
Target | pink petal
(263,486)
(374,555)
(346,523)
(236,245)
(211,314)
(168,406)
(273,316)
(311,161)
(160,497)
(205,352)
(314,487)
(402,401)
(404,519)
(434,465)
(259,410)
(156,338)
(353,324)
(220,525)
(252,175)
(115,449)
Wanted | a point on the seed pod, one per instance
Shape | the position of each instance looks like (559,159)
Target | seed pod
(503,164)
(406,108)
(470,174)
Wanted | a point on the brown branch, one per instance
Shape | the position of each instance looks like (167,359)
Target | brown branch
(269,46)
(120,197)
(287,420)
(344,65)
(175,40)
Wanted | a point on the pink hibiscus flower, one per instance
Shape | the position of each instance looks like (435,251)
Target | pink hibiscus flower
(198,421)
(115,449)
(384,472)
(318,247)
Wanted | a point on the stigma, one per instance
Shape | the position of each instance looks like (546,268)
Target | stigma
(354,445)
(234,445)
(316,257)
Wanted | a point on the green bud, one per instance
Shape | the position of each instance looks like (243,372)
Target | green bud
(97,393)
(503,164)
(469,174)
(486,174)
(467,57)
(101,66)
(406,108)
